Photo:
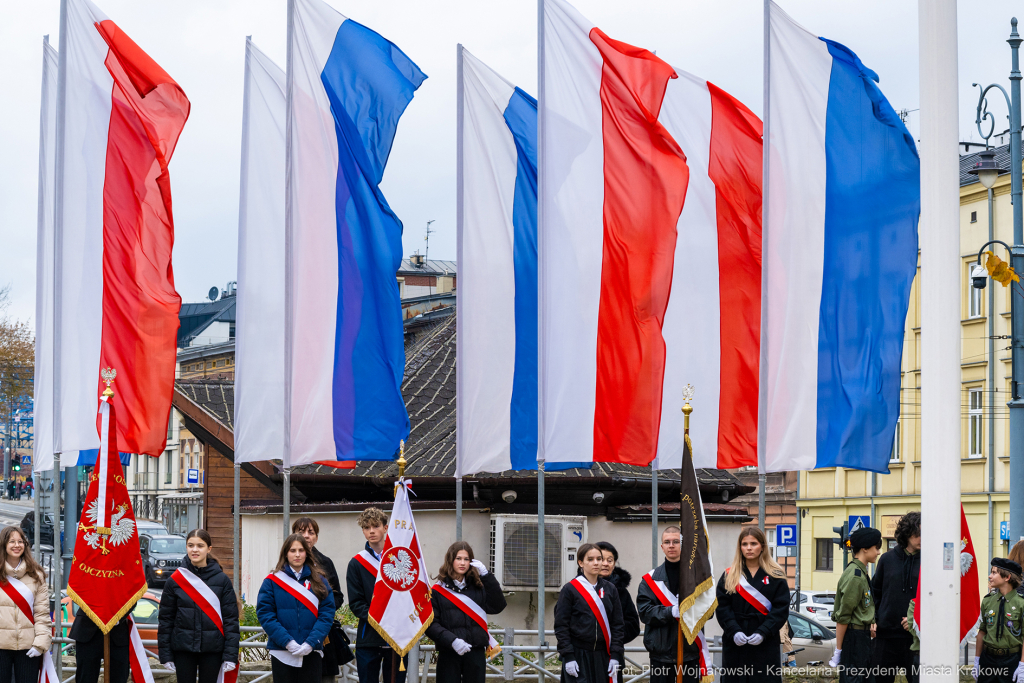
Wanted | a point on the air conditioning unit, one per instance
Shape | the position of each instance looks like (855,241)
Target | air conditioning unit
(514,550)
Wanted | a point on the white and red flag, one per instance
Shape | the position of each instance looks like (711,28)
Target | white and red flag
(114,302)
(649,248)
(400,609)
(970,599)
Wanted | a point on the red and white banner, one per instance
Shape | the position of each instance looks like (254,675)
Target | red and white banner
(666,598)
(970,599)
(114,233)
(138,655)
(649,184)
(298,591)
(472,610)
(753,596)
(706,675)
(369,562)
(400,609)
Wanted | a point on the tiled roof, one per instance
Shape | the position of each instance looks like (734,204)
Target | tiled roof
(429,391)
(431,267)
(967,162)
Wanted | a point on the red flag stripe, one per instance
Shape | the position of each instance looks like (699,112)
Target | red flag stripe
(645,181)
(140,304)
(212,611)
(291,587)
(735,168)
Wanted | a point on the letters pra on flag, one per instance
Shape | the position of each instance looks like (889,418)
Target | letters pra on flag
(840,254)
(635,152)
(123,116)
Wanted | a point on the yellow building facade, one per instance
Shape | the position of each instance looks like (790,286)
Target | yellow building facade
(828,497)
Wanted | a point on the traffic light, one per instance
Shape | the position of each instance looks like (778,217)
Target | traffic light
(843,540)
(15,464)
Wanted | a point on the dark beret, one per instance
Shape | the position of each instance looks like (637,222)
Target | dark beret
(1007,565)
(865,537)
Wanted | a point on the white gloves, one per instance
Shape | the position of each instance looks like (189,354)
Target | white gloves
(613,667)
(35,653)
(1018,675)
(757,639)
(460,646)
(170,666)
(572,668)
(739,638)
(228,666)
(479,566)
(834,662)
(303,650)
(675,611)
(977,667)
(292,647)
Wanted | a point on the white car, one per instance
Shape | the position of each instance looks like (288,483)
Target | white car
(815,604)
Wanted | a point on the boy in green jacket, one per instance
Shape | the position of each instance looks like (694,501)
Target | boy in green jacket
(854,611)
(999,637)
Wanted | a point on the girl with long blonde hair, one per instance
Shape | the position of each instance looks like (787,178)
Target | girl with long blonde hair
(753,605)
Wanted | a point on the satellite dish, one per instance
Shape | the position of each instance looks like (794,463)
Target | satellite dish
(214,293)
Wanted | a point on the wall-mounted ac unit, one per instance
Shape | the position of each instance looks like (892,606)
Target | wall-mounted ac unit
(514,550)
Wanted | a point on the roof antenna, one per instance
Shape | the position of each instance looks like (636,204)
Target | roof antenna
(426,251)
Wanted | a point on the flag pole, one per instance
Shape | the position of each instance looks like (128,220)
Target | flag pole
(762,407)
(286,460)
(654,513)
(680,645)
(459,218)
(541,602)
(44,117)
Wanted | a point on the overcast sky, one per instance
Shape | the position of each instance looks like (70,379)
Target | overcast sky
(201,43)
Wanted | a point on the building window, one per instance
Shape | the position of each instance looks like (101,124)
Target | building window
(974,216)
(894,456)
(770,537)
(167,467)
(976,429)
(973,295)
(823,554)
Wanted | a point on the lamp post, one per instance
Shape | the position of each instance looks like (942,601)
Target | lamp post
(987,172)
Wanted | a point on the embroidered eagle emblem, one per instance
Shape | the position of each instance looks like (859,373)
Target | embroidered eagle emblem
(121,528)
(966,559)
(399,569)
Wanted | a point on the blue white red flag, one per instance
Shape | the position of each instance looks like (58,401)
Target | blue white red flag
(344,337)
(840,254)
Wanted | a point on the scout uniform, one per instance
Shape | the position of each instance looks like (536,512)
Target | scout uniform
(1001,620)
(855,608)
(913,676)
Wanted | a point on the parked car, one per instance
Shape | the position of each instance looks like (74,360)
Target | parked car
(161,555)
(45,531)
(815,604)
(146,614)
(814,642)
(151,528)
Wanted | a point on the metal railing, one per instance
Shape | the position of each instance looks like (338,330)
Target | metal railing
(515,662)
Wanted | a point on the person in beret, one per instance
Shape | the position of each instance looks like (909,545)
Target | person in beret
(999,637)
(854,610)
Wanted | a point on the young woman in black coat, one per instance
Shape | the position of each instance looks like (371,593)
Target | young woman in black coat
(461,643)
(308,528)
(753,604)
(621,579)
(587,655)
(191,643)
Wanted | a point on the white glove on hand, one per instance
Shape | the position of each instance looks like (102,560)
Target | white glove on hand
(675,611)
(572,668)
(1018,675)
(35,653)
(757,639)
(977,667)
(613,667)
(460,646)
(739,638)
(834,662)
(292,647)
(228,666)
(479,566)
(170,666)
(303,650)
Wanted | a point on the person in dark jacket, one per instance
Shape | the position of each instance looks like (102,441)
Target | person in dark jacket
(372,652)
(89,650)
(621,579)
(191,643)
(661,622)
(587,655)
(751,646)
(295,635)
(461,644)
(893,586)
(310,530)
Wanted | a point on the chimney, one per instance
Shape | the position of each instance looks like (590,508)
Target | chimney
(417,259)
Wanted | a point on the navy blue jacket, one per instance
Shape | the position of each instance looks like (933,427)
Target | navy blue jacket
(284,618)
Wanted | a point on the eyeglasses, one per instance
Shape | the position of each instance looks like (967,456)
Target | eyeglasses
(675,542)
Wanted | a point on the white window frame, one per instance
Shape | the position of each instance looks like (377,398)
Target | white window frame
(896,454)
(975,306)
(769,533)
(976,422)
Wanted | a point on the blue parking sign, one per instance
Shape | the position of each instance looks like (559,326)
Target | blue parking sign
(785,534)
(1004,531)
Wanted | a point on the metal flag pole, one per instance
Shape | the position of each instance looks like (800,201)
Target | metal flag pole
(541,601)
(459,218)
(654,514)
(286,460)
(680,642)
(44,116)
(762,409)
(236,575)
(541,579)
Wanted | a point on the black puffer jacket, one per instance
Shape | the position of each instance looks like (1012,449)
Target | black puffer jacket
(621,579)
(893,586)
(184,627)
(450,622)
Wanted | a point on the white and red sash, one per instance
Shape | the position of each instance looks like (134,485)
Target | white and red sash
(596,605)
(22,596)
(138,655)
(297,591)
(201,594)
(753,596)
(471,610)
(369,562)
(667,599)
